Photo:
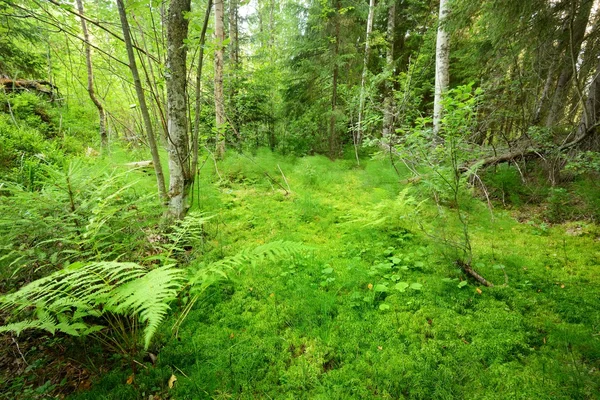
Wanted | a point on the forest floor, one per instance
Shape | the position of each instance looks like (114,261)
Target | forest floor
(376,306)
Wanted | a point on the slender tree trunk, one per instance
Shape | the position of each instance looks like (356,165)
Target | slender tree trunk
(233,33)
(90,79)
(160,179)
(442,66)
(219,98)
(178,140)
(333,146)
(196,133)
(590,118)
(577,28)
(388,103)
(363,78)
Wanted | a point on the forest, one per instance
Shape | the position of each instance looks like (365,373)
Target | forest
(299,199)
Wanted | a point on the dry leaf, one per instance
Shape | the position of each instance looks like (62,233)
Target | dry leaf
(379,348)
(272,295)
(478,291)
(231,336)
(172,381)
(370,286)
(130,379)
(562,286)
(152,358)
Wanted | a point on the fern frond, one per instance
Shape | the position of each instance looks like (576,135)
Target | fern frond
(148,297)
(207,275)
(64,298)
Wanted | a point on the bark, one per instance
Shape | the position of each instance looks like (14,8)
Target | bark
(577,28)
(196,134)
(365,70)
(219,98)
(590,118)
(233,33)
(332,119)
(139,90)
(178,140)
(442,65)
(388,103)
(90,78)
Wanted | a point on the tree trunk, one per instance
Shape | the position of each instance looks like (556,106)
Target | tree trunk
(442,66)
(178,140)
(219,98)
(388,103)
(233,33)
(196,134)
(363,78)
(577,28)
(90,79)
(160,179)
(332,119)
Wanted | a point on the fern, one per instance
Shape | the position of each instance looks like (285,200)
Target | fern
(65,298)
(206,275)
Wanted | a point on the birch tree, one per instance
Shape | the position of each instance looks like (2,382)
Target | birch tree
(178,148)
(90,78)
(363,79)
(442,65)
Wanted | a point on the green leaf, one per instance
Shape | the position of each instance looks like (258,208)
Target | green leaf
(380,288)
(401,286)
(327,271)
(384,307)
(416,286)
(462,284)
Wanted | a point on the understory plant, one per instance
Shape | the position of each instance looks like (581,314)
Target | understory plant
(442,168)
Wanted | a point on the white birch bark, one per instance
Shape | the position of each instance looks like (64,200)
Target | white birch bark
(442,66)
(364,72)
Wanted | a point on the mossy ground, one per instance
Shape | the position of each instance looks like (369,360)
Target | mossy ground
(332,324)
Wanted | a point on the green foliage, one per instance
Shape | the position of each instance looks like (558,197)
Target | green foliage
(65,299)
(75,212)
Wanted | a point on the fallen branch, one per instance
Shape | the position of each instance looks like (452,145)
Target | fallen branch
(467,269)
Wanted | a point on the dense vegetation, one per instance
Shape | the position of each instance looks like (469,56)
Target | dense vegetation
(354,200)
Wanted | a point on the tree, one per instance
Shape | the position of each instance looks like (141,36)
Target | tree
(219,96)
(388,104)
(442,66)
(363,78)
(90,78)
(160,179)
(178,145)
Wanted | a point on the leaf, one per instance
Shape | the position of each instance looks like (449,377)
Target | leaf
(384,307)
(380,288)
(401,286)
(478,291)
(172,381)
(396,260)
(498,266)
(129,380)
(327,271)
(416,286)
(462,284)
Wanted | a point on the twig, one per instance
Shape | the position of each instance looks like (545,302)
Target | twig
(19,350)
(284,178)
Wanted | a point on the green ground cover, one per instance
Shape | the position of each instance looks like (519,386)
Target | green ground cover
(375,307)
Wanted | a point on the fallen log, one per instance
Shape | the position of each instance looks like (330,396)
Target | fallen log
(140,164)
(16,85)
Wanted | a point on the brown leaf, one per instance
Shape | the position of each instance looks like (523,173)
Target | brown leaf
(172,381)
(478,291)
(152,358)
(130,379)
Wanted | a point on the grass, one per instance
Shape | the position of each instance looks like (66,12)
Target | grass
(376,308)
(338,322)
